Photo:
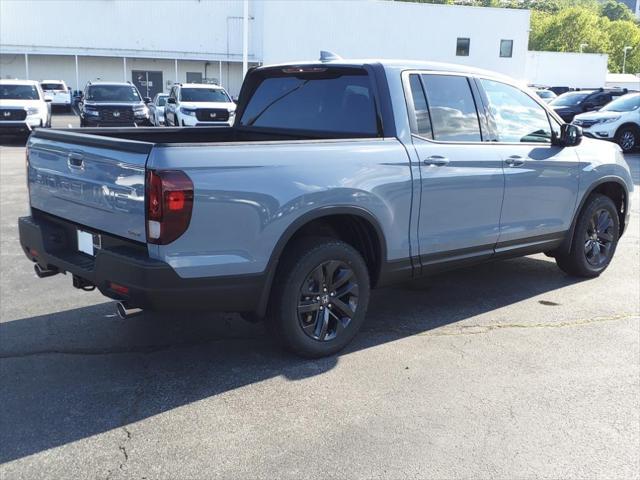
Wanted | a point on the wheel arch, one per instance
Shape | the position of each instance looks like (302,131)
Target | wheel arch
(631,125)
(611,186)
(366,236)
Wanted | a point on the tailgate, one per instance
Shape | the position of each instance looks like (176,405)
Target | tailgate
(91,180)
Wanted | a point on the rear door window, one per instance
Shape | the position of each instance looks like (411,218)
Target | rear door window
(324,101)
(452,110)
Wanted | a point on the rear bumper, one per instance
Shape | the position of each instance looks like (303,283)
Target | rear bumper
(151,284)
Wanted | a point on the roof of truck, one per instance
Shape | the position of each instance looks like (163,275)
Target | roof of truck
(391,64)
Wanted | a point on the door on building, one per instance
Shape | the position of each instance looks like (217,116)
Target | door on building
(149,83)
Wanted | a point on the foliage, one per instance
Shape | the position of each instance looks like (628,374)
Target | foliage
(616,11)
(563,25)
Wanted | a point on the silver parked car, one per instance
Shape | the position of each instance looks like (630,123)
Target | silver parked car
(156,109)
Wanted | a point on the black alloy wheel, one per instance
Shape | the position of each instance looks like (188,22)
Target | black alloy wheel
(319,297)
(595,238)
(598,238)
(328,300)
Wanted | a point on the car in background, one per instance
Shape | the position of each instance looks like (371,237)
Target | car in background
(113,104)
(156,109)
(23,107)
(570,104)
(199,104)
(59,92)
(545,95)
(618,121)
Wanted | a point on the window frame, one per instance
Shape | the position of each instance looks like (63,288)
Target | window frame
(468,39)
(510,48)
(411,111)
(552,117)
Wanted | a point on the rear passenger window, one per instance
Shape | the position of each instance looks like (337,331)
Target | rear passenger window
(453,113)
(423,122)
(515,115)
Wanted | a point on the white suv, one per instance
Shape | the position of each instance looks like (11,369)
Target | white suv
(23,106)
(196,104)
(58,91)
(618,120)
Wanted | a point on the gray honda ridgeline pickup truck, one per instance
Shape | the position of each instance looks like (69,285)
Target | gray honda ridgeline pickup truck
(337,176)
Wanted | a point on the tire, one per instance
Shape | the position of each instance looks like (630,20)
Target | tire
(329,320)
(595,239)
(627,138)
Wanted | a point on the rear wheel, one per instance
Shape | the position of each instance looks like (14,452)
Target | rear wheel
(627,138)
(320,297)
(594,240)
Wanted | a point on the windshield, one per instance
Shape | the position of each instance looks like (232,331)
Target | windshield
(19,92)
(112,93)
(325,102)
(161,100)
(203,95)
(626,103)
(570,99)
(52,86)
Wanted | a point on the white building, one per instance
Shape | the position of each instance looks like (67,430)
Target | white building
(157,43)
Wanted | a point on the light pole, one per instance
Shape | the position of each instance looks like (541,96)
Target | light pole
(582,46)
(624,57)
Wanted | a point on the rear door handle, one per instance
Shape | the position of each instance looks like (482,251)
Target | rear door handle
(436,160)
(514,161)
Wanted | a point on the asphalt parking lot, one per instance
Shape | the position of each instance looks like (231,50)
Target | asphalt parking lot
(507,370)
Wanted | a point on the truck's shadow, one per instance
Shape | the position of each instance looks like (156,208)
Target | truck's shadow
(74,374)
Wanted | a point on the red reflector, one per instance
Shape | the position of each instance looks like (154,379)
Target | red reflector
(116,287)
(175,200)
(34,253)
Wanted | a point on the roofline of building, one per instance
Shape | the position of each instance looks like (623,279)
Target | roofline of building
(121,53)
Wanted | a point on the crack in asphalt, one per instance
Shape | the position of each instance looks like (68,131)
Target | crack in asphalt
(482,329)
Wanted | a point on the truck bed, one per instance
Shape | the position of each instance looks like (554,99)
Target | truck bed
(173,135)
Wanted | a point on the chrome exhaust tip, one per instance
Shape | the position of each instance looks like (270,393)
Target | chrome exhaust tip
(126,311)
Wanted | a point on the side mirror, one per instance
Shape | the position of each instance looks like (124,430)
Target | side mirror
(171,100)
(147,99)
(570,135)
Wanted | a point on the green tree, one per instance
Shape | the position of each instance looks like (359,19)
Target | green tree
(624,33)
(614,10)
(568,29)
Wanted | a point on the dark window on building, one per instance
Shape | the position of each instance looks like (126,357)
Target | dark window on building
(462,47)
(506,48)
(423,121)
(194,77)
(452,109)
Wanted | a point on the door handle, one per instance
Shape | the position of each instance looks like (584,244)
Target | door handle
(75,160)
(515,161)
(436,160)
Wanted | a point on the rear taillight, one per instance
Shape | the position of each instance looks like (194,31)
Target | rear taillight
(169,197)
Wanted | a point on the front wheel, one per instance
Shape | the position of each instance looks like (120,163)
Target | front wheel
(594,239)
(320,297)
(627,138)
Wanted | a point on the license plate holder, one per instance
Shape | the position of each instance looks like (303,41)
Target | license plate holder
(89,242)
